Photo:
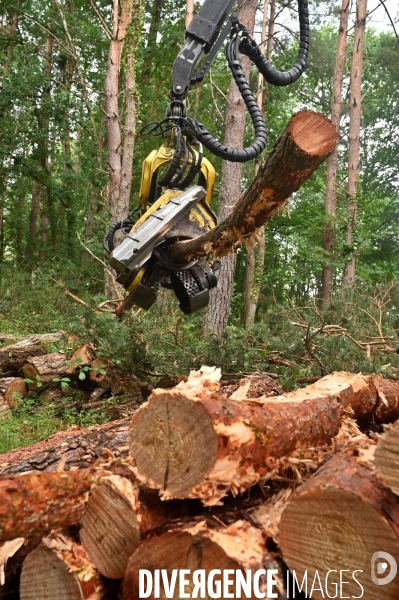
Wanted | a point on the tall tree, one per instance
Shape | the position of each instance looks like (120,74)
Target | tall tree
(332,161)
(256,253)
(126,31)
(216,315)
(355,111)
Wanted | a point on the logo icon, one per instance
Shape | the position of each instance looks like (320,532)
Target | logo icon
(383,559)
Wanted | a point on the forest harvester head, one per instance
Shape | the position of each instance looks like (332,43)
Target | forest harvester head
(177,180)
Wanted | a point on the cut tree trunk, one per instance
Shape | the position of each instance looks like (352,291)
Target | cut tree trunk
(38,502)
(78,449)
(116,516)
(188,442)
(81,448)
(387,457)
(338,521)
(204,545)
(10,386)
(308,140)
(59,569)
(13,357)
(44,369)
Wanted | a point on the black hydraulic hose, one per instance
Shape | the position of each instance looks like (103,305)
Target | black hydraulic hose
(260,141)
(281,78)
(247,45)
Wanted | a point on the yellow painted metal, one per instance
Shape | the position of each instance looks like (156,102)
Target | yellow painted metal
(164,199)
(136,281)
(163,155)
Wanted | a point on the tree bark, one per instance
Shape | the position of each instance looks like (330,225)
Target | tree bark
(387,457)
(338,520)
(35,503)
(130,109)
(60,569)
(116,517)
(120,168)
(305,144)
(203,545)
(216,315)
(44,369)
(355,113)
(189,442)
(13,357)
(332,161)
(77,448)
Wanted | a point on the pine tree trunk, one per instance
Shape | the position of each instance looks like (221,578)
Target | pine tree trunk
(355,112)
(75,449)
(156,12)
(130,109)
(256,253)
(339,519)
(35,503)
(216,315)
(332,161)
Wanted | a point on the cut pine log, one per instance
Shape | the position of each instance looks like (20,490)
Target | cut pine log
(387,457)
(114,521)
(338,521)
(44,369)
(78,448)
(35,503)
(13,357)
(188,442)
(9,386)
(204,545)
(60,569)
(304,145)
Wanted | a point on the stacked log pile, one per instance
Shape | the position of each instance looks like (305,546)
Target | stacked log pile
(30,365)
(206,477)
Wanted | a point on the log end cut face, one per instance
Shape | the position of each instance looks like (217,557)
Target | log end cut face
(174,443)
(109,530)
(45,577)
(330,530)
(313,133)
